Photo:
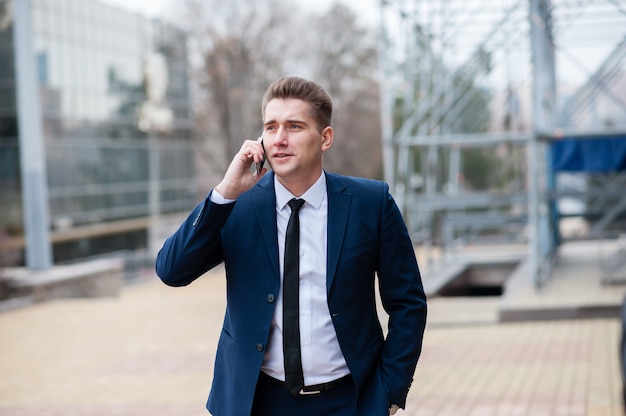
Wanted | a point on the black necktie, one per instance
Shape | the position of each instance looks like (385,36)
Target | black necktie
(294,380)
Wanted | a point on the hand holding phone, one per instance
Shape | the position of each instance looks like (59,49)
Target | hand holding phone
(259,166)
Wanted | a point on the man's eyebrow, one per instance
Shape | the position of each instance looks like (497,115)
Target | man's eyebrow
(289,121)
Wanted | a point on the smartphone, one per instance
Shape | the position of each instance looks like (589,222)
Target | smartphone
(259,165)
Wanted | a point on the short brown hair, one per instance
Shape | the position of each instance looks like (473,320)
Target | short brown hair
(294,87)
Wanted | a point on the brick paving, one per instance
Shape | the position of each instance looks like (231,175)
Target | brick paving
(150,352)
(533,368)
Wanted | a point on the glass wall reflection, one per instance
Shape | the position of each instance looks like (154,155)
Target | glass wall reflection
(116,119)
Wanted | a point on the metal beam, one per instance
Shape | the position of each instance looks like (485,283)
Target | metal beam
(465,200)
(468,140)
(568,133)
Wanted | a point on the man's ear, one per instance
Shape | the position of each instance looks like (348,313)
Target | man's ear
(327,138)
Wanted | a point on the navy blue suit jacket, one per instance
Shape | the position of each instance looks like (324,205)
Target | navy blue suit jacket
(366,236)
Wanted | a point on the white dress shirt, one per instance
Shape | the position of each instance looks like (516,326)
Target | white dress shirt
(322,360)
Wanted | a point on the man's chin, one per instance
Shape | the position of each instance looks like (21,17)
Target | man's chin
(282,169)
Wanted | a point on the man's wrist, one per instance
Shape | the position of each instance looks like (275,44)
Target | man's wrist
(217,198)
(393,409)
(229,190)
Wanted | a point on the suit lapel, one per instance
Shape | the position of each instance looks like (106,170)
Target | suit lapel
(264,199)
(338,208)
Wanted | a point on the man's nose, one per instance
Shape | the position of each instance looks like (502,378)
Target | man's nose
(281,137)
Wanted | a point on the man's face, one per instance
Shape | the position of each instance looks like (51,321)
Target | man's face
(293,143)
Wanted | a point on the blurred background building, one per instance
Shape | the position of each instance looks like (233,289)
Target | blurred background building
(115,127)
(499,122)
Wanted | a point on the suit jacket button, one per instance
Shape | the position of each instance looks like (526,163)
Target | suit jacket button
(259,347)
(270,298)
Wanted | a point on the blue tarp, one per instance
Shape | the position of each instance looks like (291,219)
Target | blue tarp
(593,155)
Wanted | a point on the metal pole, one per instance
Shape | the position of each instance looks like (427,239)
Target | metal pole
(544,91)
(31,144)
(386,106)
(154,180)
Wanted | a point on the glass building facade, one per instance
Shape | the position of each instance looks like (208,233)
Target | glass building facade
(116,119)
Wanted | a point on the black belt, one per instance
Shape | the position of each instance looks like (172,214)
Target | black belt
(316,388)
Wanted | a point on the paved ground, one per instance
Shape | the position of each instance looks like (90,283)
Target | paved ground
(150,352)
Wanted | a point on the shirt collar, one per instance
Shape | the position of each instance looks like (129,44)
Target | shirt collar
(313,196)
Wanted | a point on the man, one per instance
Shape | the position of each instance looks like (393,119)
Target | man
(350,229)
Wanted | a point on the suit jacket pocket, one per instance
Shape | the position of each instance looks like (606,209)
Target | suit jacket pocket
(361,247)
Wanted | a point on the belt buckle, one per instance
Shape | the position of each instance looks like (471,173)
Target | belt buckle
(309,393)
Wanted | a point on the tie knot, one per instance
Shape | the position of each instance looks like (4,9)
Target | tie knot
(295,204)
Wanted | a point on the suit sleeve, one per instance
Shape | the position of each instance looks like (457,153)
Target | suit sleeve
(403,298)
(195,247)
